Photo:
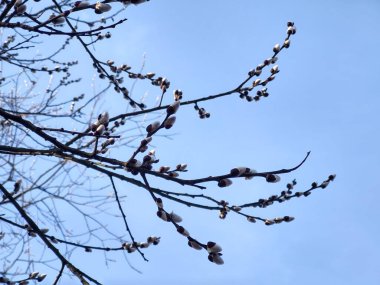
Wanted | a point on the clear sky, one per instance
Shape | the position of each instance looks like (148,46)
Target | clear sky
(325,99)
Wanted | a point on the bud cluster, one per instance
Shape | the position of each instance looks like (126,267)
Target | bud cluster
(36,276)
(132,247)
(201,112)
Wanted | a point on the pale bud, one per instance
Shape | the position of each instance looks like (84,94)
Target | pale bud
(169,122)
(164,169)
(276,48)
(274,69)
(256,82)
(103,118)
(20,9)
(181,167)
(236,208)
(44,231)
(150,75)
(291,30)
(153,240)
(146,140)
(216,258)
(272,178)
(102,7)
(33,275)
(183,231)
(225,182)
(41,277)
(81,4)
(99,130)
(251,174)
(175,218)
(238,171)
(251,219)
(173,108)
(153,127)
(57,21)
(194,244)
(162,215)
(287,43)
(144,245)
(269,222)
(213,247)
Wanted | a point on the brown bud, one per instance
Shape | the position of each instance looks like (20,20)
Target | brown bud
(224,182)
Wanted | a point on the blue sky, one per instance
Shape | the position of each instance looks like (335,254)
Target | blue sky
(325,99)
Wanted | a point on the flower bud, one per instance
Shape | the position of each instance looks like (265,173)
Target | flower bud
(236,208)
(153,127)
(81,4)
(183,231)
(20,9)
(175,218)
(251,219)
(159,203)
(58,20)
(276,48)
(256,82)
(216,258)
(213,247)
(269,222)
(145,141)
(224,182)
(177,94)
(287,43)
(274,69)
(238,171)
(173,108)
(41,277)
(169,122)
(332,177)
(194,245)
(150,75)
(272,178)
(325,184)
(102,7)
(144,245)
(162,215)
(181,167)
(33,275)
(153,240)
(288,219)
(99,130)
